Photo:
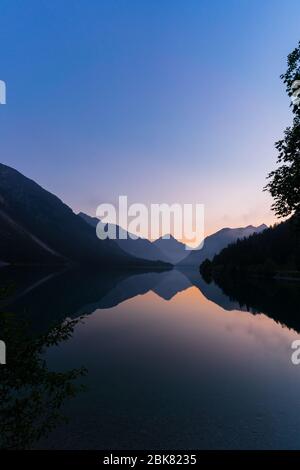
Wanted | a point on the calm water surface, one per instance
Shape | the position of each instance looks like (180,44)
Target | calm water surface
(172,362)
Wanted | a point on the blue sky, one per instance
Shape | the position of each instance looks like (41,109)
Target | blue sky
(164,101)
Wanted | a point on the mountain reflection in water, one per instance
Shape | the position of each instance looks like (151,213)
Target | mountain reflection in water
(172,362)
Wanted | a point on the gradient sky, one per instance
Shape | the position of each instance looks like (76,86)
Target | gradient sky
(162,100)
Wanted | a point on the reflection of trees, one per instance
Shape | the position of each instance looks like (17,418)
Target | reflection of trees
(31,396)
(278,299)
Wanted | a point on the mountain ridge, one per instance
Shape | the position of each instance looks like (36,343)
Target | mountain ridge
(171,247)
(139,247)
(38,228)
(215,242)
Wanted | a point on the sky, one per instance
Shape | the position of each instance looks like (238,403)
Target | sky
(165,101)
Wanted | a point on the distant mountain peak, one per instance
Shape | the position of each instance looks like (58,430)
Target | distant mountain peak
(215,242)
(172,248)
(36,227)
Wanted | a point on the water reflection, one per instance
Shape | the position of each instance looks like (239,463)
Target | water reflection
(172,361)
(31,395)
(279,299)
(73,293)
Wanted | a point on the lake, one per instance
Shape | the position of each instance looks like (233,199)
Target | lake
(170,360)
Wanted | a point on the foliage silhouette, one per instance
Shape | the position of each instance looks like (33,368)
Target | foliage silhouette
(31,396)
(284,184)
(276,251)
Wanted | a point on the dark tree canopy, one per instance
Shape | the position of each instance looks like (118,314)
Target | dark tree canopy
(284,184)
(31,395)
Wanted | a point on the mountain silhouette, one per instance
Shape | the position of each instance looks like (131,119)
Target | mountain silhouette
(273,252)
(214,243)
(172,248)
(75,292)
(36,227)
(138,247)
(72,292)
